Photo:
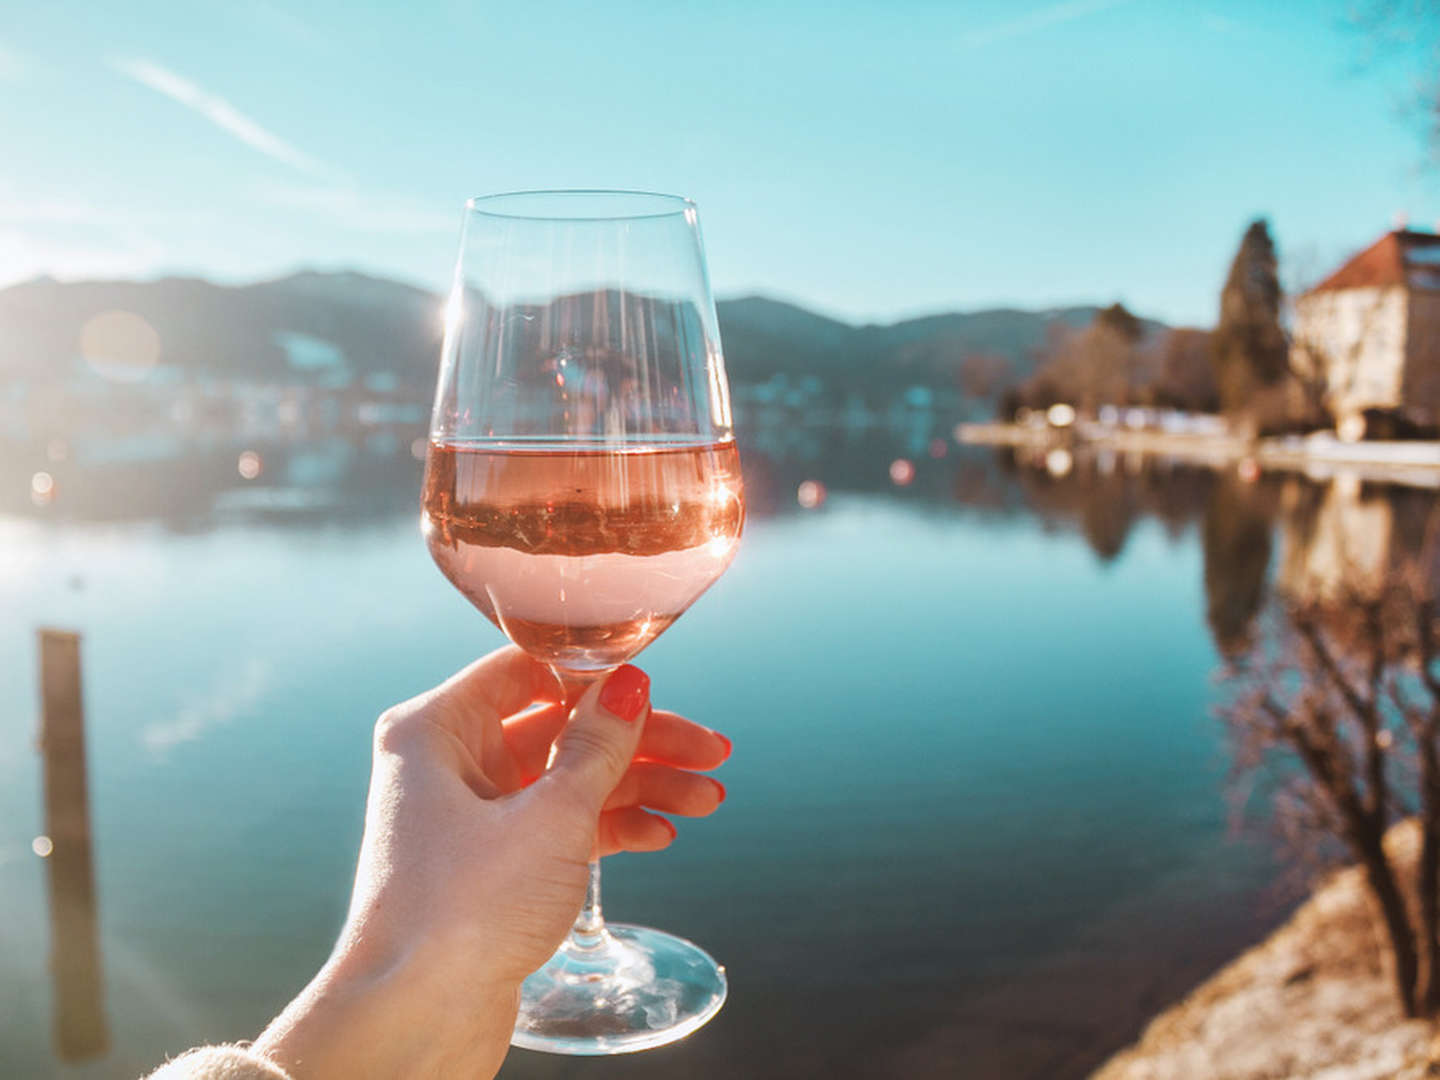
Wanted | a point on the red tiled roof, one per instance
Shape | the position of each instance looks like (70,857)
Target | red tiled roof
(1397,258)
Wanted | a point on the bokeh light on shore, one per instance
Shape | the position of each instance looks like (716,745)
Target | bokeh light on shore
(902,471)
(810,494)
(120,346)
(1059,462)
(42,489)
(250,465)
(42,846)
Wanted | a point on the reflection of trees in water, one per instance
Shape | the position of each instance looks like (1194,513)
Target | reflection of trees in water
(1238,520)
(1332,537)
(1103,497)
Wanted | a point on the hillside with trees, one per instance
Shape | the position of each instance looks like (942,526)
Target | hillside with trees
(381,326)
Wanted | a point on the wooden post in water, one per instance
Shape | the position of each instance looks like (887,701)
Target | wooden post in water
(80,1030)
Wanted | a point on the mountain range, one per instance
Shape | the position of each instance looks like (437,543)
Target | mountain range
(387,326)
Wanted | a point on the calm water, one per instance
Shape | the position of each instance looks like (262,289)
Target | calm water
(977,821)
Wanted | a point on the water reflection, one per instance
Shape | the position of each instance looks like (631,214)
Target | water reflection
(357,462)
(79,1030)
(1342,540)
(1237,545)
(1331,542)
(1103,496)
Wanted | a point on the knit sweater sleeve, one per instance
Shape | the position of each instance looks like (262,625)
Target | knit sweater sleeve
(220,1063)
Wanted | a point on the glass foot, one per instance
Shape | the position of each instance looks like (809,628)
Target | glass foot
(624,989)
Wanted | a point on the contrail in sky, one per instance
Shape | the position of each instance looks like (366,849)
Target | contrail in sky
(219,112)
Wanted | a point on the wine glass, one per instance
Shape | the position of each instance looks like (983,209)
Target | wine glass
(582,489)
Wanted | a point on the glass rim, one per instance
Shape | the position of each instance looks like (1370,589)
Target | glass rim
(644,204)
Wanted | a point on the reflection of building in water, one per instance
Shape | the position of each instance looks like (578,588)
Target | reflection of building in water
(1337,541)
(80,1030)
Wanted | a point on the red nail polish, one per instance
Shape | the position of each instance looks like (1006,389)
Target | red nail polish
(671,826)
(728,744)
(719,787)
(625,693)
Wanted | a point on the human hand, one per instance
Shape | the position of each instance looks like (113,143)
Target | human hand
(475,860)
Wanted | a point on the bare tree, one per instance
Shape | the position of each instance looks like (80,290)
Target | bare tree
(1185,378)
(1405,34)
(1102,364)
(1336,706)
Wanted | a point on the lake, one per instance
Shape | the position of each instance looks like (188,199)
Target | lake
(978,821)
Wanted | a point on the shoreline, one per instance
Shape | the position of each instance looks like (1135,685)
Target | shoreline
(1313,1001)
(1319,456)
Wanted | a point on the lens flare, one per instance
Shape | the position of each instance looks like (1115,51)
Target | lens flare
(120,346)
(250,465)
(42,489)
(810,494)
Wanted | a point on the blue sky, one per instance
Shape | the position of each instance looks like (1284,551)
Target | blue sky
(872,161)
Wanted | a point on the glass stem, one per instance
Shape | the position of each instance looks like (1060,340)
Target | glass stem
(588,933)
(589,929)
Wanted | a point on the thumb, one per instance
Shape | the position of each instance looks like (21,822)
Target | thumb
(601,736)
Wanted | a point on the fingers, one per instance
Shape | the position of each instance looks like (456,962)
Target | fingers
(673,740)
(472,703)
(531,735)
(661,787)
(498,685)
(668,739)
(632,829)
(600,738)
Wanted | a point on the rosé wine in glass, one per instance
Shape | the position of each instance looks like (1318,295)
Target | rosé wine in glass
(582,557)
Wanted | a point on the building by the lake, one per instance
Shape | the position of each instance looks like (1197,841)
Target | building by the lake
(1370,332)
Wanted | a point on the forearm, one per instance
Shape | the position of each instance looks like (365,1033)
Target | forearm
(220,1063)
(349,1023)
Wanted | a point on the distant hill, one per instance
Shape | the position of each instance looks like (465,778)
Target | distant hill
(230,330)
(385,326)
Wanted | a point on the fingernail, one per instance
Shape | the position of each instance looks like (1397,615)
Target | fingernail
(626,692)
(671,826)
(719,787)
(728,744)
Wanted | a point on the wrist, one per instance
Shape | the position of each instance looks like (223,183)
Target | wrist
(359,1020)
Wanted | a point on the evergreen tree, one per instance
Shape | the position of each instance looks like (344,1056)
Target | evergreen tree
(1250,351)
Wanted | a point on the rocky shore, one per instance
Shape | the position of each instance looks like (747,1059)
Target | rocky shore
(1312,1002)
